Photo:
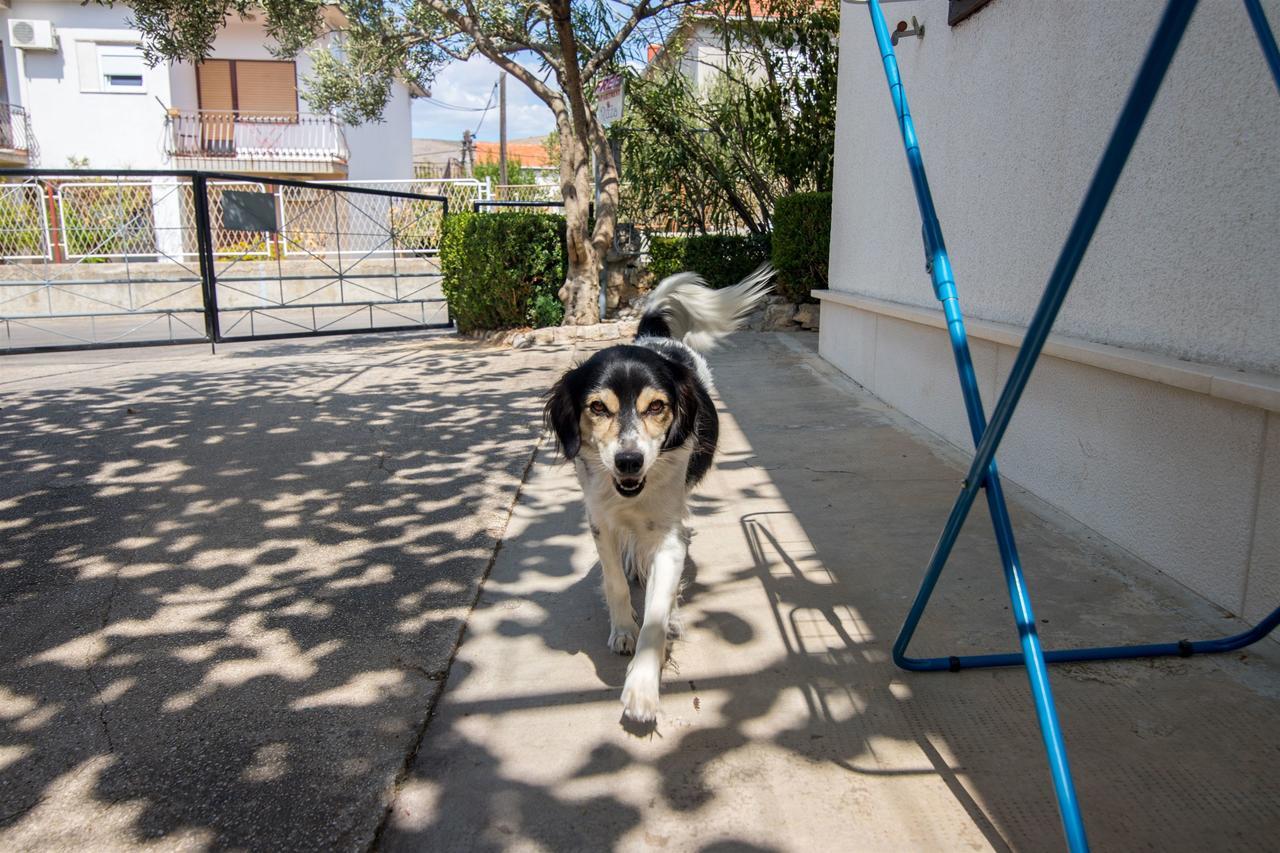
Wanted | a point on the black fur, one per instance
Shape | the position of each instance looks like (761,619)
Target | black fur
(653,325)
(626,370)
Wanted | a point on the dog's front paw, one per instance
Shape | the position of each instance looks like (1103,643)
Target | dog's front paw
(622,638)
(640,695)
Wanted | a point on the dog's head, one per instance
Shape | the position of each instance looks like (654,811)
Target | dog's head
(628,404)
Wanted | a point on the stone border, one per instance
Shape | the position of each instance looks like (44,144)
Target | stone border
(524,338)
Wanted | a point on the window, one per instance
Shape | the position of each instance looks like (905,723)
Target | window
(249,88)
(120,67)
(961,9)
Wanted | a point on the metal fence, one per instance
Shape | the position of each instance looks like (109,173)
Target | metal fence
(96,259)
(493,205)
(63,216)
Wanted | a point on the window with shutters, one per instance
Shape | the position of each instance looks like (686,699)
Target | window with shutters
(249,88)
(120,68)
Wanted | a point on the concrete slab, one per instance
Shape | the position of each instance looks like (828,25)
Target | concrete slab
(784,724)
(230,586)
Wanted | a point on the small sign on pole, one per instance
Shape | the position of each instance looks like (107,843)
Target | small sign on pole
(609,99)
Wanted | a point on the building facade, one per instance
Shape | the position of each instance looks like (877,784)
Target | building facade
(73,75)
(1154,416)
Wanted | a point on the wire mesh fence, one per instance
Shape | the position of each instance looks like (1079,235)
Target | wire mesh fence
(102,259)
(67,218)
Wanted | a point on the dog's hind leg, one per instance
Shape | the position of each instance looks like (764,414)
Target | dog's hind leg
(640,693)
(617,593)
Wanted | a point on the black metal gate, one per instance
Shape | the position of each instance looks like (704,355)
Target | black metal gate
(92,259)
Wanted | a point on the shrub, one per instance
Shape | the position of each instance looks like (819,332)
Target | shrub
(801,243)
(721,259)
(503,270)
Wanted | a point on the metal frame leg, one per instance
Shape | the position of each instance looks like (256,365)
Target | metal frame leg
(983,472)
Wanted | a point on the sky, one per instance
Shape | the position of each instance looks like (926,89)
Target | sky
(469,84)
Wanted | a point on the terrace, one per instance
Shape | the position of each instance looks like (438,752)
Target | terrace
(293,143)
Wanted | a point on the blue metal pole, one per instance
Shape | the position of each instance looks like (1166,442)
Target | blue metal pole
(1182,648)
(1266,40)
(1145,87)
(945,290)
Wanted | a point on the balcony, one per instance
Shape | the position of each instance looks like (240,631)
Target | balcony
(306,144)
(17,143)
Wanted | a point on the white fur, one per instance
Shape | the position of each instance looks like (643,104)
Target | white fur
(645,536)
(699,316)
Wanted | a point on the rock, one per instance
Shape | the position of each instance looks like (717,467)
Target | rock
(807,315)
(524,340)
(778,317)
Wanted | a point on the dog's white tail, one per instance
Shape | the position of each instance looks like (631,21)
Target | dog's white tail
(684,308)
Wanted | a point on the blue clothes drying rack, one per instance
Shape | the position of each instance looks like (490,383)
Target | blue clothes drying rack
(982,472)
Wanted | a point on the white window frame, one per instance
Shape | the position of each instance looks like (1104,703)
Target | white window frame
(114,60)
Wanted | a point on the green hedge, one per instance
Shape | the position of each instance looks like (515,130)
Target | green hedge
(722,259)
(503,270)
(801,243)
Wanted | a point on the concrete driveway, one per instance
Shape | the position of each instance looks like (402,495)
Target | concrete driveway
(232,588)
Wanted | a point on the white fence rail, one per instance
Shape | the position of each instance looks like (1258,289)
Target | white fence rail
(77,220)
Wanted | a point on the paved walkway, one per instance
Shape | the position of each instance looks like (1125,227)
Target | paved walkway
(230,589)
(784,724)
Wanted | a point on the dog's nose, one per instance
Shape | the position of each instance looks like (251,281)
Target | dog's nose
(629,462)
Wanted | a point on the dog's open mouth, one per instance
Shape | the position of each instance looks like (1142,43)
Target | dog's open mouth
(628,488)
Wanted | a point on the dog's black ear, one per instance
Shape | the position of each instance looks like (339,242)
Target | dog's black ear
(562,415)
(690,398)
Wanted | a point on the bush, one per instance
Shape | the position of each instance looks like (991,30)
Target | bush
(801,243)
(721,259)
(503,270)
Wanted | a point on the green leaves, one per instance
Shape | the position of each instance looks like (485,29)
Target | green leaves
(721,259)
(502,270)
(717,155)
(802,243)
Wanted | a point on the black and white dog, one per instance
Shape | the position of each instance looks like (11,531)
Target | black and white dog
(639,424)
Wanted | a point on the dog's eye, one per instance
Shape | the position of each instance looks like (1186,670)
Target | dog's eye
(655,408)
(598,408)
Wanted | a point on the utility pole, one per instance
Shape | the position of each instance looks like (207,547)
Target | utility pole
(468,153)
(502,129)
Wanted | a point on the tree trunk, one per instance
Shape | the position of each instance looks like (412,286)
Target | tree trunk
(580,134)
(581,291)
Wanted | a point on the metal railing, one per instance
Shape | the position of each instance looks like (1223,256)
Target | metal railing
(69,218)
(239,136)
(15,132)
(131,258)
(544,193)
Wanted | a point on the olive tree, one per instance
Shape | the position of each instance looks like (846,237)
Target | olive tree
(717,157)
(571,46)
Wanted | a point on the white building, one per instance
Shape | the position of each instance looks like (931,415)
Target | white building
(77,72)
(704,42)
(1154,415)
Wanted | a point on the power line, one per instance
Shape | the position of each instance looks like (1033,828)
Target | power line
(487,104)
(455,107)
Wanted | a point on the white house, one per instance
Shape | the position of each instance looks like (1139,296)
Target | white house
(1154,415)
(704,41)
(75,76)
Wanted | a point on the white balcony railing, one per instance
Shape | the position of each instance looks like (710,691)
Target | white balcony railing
(243,138)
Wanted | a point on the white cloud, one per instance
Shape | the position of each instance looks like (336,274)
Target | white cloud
(468,84)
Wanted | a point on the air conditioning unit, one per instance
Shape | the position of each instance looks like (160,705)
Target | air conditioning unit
(33,35)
